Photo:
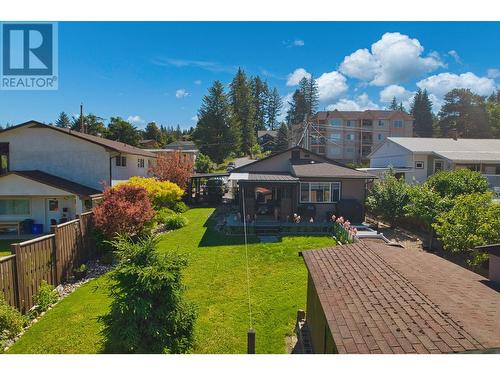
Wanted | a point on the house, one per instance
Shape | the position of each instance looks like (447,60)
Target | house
(418,158)
(267,139)
(148,143)
(299,181)
(187,149)
(350,136)
(50,174)
(370,297)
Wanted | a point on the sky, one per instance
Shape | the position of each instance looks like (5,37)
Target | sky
(160,71)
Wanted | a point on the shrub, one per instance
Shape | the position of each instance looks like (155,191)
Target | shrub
(457,182)
(180,207)
(161,193)
(204,164)
(44,298)
(125,210)
(175,222)
(162,215)
(474,220)
(11,322)
(387,198)
(173,167)
(148,313)
(107,258)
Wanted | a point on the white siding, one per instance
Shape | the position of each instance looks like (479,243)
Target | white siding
(391,154)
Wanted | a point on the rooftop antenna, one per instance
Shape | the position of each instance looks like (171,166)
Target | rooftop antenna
(82,129)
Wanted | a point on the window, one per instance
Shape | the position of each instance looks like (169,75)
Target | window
(335,150)
(380,137)
(350,137)
(140,163)
(335,137)
(419,165)
(319,192)
(14,206)
(121,161)
(398,123)
(438,165)
(351,123)
(381,123)
(336,122)
(349,150)
(4,157)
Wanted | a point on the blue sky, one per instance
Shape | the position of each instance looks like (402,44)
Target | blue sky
(160,71)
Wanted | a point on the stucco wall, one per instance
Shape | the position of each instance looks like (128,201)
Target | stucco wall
(119,173)
(58,154)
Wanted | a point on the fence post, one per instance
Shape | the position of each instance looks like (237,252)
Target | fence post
(57,260)
(19,277)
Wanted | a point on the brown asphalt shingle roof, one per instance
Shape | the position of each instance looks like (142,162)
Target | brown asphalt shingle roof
(58,182)
(304,168)
(382,299)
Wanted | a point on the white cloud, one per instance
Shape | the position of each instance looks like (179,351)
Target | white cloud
(197,82)
(194,118)
(493,73)
(399,92)
(360,103)
(295,77)
(331,85)
(298,43)
(455,56)
(440,84)
(135,119)
(393,59)
(181,93)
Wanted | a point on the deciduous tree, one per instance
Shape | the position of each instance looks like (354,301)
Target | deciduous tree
(174,167)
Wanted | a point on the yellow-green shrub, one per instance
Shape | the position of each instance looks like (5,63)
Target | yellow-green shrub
(161,193)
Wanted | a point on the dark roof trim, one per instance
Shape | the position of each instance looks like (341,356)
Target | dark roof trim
(58,183)
(106,143)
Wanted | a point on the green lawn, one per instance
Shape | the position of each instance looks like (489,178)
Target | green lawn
(216,281)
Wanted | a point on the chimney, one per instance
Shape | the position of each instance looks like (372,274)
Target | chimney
(494,261)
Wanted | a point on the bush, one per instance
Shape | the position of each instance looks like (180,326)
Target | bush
(148,312)
(204,164)
(388,197)
(162,214)
(175,222)
(180,207)
(44,298)
(125,210)
(474,220)
(161,193)
(11,322)
(107,258)
(457,182)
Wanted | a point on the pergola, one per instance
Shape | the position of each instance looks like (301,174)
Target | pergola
(196,181)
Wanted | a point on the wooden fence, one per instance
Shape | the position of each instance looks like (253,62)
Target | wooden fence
(51,258)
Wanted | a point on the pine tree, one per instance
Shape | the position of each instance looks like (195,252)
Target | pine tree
(297,112)
(63,121)
(216,132)
(153,132)
(309,90)
(92,124)
(394,105)
(282,139)
(421,110)
(464,112)
(122,131)
(243,109)
(260,94)
(274,106)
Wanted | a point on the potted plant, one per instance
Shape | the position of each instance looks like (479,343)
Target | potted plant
(80,272)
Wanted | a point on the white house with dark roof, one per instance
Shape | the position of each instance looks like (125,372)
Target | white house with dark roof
(418,158)
(52,174)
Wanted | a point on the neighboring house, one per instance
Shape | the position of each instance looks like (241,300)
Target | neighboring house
(267,139)
(49,173)
(369,297)
(300,181)
(148,143)
(187,149)
(350,136)
(418,158)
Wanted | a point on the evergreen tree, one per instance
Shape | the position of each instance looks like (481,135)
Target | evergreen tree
(394,105)
(92,124)
(401,107)
(493,109)
(421,110)
(243,109)
(122,131)
(297,111)
(282,139)
(153,132)
(260,94)
(309,89)
(216,132)
(464,112)
(274,106)
(63,121)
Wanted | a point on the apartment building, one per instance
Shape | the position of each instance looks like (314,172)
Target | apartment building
(350,136)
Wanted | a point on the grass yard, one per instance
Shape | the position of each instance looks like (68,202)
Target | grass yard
(216,281)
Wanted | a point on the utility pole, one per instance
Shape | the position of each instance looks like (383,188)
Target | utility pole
(81,118)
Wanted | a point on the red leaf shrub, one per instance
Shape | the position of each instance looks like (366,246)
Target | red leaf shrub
(174,167)
(125,210)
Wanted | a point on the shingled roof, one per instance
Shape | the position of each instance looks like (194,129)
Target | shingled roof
(381,299)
